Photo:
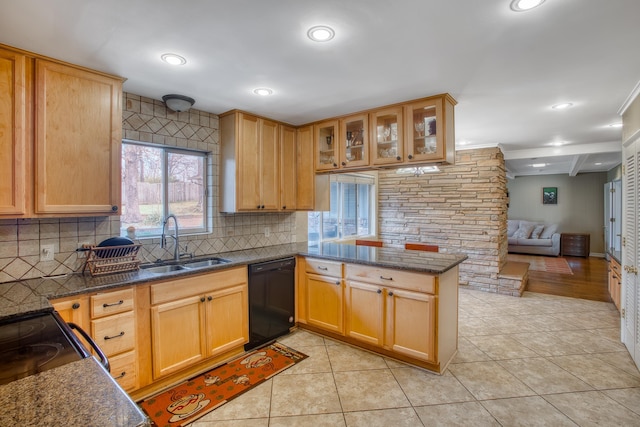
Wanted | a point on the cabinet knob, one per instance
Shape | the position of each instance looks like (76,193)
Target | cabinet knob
(398,158)
(284,207)
(262,207)
(209,298)
(201,299)
(338,282)
(379,291)
(335,165)
(258,207)
(390,293)
(75,305)
(410,156)
(344,164)
(114,208)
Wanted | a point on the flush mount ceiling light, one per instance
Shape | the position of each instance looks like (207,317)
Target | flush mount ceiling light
(524,5)
(615,125)
(263,91)
(321,33)
(557,143)
(178,103)
(173,59)
(562,106)
(538,165)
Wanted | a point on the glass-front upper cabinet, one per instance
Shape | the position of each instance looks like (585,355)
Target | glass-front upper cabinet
(354,141)
(386,136)
(430,132)
(326,152)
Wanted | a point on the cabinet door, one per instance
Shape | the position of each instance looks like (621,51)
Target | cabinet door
(78,139)
(354,141)
(288,169)
(324,303)
(177,334)
(386,136)
(74,310)
(270,165)
(325,143)
(248,158)
(305,174)
(411,324)
(13,133)
(425,138)
(364,312)
(227,319)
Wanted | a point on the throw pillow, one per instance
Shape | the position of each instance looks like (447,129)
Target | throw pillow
(512,227)
(549,231)
(537,230)
(524,231)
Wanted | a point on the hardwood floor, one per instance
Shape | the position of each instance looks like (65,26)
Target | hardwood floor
(589,280)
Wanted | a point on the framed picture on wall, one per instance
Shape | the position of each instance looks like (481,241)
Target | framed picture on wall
(549,195)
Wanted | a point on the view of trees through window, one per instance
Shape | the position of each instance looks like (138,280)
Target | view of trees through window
(158,181)
(352,211)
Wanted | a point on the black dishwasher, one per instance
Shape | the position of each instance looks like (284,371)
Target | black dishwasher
(271,300)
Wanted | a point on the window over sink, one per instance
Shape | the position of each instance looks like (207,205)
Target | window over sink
(159,180)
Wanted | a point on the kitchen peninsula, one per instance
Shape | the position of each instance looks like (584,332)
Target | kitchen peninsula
(407,283)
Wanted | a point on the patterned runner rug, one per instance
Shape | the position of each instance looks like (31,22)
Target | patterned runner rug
(192,399)
(543,263)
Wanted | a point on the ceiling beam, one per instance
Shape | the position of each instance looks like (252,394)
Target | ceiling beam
(566,150)
(576,164)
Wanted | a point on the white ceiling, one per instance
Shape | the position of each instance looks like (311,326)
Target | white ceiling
(505,69)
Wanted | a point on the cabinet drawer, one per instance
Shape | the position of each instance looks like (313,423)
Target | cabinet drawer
(196,285)
(420,282)
(123,370)
(323,268)
(114,334)
(111,303)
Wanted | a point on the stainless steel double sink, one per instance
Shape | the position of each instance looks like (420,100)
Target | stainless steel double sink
(190,264)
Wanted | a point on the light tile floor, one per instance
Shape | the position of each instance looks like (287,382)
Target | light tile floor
(539,360)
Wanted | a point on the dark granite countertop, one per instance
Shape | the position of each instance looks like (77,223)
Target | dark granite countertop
(28,296)
(76,394)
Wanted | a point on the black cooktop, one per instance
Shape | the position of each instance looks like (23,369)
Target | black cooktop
(35,343)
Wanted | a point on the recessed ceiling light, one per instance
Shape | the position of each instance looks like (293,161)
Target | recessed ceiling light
(173,59)
(263,91)
(538,165)
(598,163)
(557,143)
(562,106)
(524,5)
(615,125)
(321,33)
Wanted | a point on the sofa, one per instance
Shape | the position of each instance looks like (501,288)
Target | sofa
(528,237)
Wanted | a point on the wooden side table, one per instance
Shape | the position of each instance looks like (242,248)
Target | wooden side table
(574,244)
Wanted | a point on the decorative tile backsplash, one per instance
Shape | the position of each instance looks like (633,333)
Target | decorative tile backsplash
(145,120)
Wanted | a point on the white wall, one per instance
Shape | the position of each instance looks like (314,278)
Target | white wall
(580,207)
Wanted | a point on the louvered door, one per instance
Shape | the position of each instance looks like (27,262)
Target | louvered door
(631,208)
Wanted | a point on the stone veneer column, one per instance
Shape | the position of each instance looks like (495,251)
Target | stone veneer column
(462,209)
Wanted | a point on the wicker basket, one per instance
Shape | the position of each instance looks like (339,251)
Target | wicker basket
(112,259)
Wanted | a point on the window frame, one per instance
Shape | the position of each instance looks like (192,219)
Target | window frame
(164,164)
(350,178)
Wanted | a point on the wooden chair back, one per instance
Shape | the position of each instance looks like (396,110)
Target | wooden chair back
(421,247)
(375,243)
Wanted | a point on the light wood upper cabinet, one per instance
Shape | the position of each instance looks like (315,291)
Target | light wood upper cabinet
(288,168)
(60,138)
(14,140)
(77,140)
(250,169)
(354,141)
(414,133)
(386,136)
(326,141)
(305,173)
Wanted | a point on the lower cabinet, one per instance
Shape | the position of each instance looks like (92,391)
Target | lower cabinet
(324,295)
(391,317)
(408,315)
(197,317)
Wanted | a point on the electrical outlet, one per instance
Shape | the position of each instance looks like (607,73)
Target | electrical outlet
(267,231)
(46,252)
